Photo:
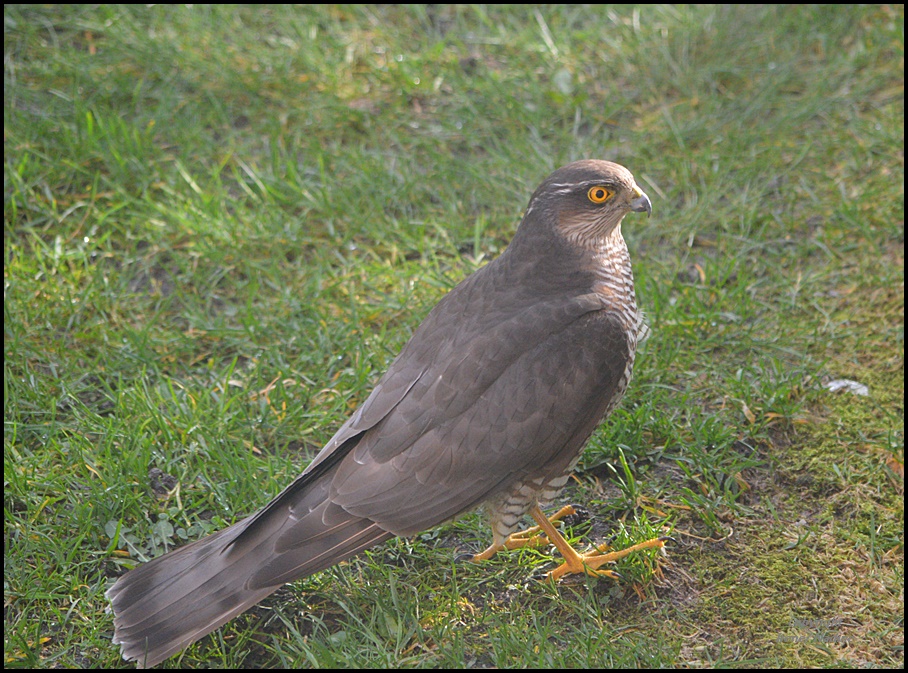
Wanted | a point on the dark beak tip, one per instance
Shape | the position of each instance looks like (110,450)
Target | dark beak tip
(642,204)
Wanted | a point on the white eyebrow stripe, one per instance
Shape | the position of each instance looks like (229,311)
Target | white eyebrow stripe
(571,186)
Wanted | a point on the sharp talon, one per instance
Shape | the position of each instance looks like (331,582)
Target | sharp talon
(668,538)
(463,558)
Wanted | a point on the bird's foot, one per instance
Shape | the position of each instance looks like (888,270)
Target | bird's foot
(533,537)
(591,562)
(575,563)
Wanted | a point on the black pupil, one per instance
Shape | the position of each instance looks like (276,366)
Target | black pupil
(599,193)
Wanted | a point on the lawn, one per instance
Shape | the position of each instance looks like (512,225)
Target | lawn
(222,223)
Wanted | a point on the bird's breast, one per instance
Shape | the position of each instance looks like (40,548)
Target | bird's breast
(614,283)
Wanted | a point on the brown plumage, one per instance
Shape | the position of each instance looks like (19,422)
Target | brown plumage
(489,403)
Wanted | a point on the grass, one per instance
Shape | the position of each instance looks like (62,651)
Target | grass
(221,223)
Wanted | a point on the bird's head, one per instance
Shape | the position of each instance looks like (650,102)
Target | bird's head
(585,201)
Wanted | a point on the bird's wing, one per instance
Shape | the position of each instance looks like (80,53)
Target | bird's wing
(531,420)
(477,346)
(528,419)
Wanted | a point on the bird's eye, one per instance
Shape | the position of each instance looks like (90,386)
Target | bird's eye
(599,194)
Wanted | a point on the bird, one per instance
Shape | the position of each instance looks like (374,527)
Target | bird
(488,405)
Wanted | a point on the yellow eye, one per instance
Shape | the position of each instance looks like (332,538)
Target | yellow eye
(599,194)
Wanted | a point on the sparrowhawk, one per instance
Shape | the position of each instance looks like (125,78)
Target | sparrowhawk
(488,404)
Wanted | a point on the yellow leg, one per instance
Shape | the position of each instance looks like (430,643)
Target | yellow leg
(574,563)
(590,562)
(531,537)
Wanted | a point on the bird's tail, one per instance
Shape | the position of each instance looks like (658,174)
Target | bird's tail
(166,604)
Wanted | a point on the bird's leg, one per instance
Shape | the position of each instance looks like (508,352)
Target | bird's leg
(531,537)
(590,562)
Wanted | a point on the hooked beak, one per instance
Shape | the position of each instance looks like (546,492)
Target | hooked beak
(642,203)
